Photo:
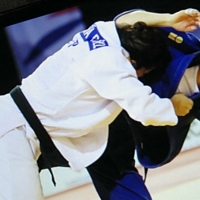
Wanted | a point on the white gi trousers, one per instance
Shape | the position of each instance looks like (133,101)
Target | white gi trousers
(19,175)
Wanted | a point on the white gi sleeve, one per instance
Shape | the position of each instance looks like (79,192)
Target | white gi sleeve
(114,78)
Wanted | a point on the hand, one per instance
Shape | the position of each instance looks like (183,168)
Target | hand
(185,20)
(182,104)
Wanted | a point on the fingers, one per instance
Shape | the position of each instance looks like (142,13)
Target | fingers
(195,18)
(192,12)
(185,20)
(191,28)
(192,24)
(185,109)
(182,104)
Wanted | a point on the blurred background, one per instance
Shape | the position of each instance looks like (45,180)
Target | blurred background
(31,30)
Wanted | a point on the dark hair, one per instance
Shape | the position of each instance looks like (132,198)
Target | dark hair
(146,46)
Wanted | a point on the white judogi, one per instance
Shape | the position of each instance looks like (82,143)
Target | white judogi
(79,91)
(188,84)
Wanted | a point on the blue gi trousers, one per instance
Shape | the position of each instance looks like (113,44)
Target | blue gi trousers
(114,174)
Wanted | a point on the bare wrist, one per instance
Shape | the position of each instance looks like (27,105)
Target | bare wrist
(168,20)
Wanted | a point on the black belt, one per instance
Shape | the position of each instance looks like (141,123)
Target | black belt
(50,155)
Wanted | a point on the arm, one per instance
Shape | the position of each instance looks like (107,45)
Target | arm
(184,20)
(117,81)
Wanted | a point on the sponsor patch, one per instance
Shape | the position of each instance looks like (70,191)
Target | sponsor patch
(94,38)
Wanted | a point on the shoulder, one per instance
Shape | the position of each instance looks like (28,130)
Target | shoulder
(101,34)
(111,60)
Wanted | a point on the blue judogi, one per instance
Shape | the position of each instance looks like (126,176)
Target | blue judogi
(155,146)
(169,140)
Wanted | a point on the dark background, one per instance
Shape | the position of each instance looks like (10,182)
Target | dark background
(14,11)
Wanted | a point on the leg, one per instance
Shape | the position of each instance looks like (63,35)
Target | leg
(113,174)
(19,176)
(114,185)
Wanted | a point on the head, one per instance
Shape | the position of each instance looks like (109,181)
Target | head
(148,49)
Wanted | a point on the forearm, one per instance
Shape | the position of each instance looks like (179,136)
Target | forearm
(150,18)
(183,20)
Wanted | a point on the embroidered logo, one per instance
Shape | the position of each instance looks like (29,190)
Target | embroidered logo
(93,37)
